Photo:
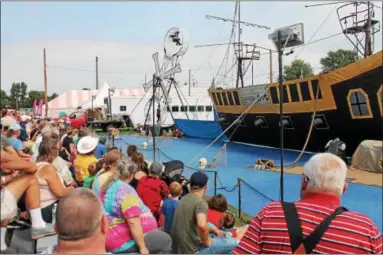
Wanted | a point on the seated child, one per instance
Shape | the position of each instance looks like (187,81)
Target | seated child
(170,204)
(93,169)
(226,224)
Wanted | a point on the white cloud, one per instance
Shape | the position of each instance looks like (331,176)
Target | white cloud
(129,62)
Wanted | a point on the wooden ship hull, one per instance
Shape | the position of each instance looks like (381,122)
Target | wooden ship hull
(347,103)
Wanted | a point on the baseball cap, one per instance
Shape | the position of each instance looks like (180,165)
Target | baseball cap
(156,167)
(198,180)
(14,127)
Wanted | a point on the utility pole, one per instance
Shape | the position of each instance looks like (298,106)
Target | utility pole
(189,81)
(271,66)
(45,85)
(97,73)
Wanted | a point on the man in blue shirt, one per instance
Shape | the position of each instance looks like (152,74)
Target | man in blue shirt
(101,148)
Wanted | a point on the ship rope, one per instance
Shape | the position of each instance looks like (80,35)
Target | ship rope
(292,164)
(238,120)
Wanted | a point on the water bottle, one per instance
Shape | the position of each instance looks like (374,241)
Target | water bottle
(54,213)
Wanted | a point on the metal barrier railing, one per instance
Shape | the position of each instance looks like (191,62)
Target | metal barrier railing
(217,182)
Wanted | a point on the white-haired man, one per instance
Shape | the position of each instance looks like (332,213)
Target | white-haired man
(316,223)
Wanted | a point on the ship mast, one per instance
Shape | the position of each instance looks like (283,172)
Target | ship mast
(242,51)
(359,26)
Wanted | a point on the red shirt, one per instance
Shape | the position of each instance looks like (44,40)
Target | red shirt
(214,216)
(349,232)
(152,191)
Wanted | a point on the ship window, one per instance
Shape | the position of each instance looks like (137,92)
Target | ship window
(122,108)
(200,108)
(359,104)
(274,95)
(380,99)
(241,120)
(315,84)
(305,91)
(219,98)
(225,102)
(287,123)
(260,122)
(320,122)
(285,97)
(294,93)
(192,108)
(175,108)
(236,98)
(231,101)
(208,108)
(214,98)
(184,108)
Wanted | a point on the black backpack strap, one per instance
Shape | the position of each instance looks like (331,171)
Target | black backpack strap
(293,225)
(313,239)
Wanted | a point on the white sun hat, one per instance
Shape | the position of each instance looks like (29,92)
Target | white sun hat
(7,121)
(24,118)
(87,144)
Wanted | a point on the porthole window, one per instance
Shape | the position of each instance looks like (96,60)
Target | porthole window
(192,108)
(208,108)
(200,108)
(175,108)
(260,122)
(122,108)
(184,108)
(359,104)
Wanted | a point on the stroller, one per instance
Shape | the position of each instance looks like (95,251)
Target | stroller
(173,173)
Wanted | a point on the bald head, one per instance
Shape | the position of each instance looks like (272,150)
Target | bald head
(78,215)
(326,172)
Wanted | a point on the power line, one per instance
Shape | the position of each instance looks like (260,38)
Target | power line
(119,73)
(321,25)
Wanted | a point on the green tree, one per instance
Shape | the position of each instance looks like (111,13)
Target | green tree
(338,59)
(53,96)
(297,69)
(3,98)
(34,94)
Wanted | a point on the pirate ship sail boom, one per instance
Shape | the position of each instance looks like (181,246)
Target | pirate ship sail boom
(344,103)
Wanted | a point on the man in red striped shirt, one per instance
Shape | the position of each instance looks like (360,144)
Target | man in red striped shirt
(323,183)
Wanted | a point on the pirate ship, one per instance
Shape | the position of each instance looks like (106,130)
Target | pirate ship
(345,103)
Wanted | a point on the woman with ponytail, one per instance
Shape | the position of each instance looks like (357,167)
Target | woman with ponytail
(132,226)
(112,158)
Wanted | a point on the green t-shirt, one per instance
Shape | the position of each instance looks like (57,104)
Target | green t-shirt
(184,232)
(88,181)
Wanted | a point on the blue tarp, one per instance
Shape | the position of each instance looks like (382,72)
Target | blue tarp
(200,128)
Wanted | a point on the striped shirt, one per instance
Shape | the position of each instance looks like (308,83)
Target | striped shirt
(348,233)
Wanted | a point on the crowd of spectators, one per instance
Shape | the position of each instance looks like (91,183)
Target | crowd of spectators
(102,202)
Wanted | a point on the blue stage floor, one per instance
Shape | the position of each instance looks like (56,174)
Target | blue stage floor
(359,198)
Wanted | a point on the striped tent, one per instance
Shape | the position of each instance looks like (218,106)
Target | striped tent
(69,101)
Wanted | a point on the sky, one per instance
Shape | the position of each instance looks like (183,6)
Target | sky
(124,35)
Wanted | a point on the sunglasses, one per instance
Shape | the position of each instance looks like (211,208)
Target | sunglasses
(307,179)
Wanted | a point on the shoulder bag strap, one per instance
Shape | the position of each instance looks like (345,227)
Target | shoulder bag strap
(293,225)
(313,239)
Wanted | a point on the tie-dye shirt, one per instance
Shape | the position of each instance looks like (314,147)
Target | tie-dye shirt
(99,180)
(121,202)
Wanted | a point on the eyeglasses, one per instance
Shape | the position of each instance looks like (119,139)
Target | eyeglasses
(307,179)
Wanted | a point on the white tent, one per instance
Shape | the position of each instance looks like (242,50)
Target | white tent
(98,101)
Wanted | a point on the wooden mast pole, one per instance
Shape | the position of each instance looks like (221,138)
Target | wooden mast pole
(45,85)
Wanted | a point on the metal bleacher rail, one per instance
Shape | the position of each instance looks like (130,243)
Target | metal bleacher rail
(218,185)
